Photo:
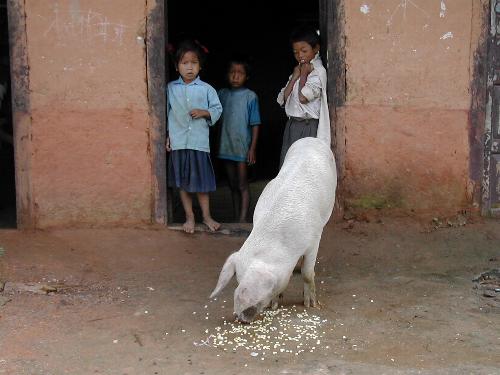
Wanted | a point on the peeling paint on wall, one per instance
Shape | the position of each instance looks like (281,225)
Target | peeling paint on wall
(448,35)
(442,12)
(365,9)
(495,147)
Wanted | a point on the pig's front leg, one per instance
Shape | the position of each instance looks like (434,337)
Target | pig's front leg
(308,276)
(309,290)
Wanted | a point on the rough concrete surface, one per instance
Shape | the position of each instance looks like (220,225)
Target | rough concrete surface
(89,112)
(397,297)
(408,97)
(403,176)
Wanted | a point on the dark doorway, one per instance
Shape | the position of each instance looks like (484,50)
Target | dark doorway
(260,30)
(7,170)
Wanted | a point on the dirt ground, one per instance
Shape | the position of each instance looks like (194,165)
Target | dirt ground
(397,298)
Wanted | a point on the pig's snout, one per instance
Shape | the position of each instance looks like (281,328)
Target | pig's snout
(248,315)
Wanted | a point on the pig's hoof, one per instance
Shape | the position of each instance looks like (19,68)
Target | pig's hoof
(310,303)
(275,302)
(274,305)
(309,299)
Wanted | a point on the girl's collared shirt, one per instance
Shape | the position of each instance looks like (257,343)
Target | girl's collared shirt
(184,131)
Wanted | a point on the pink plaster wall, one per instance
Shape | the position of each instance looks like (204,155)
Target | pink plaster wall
(90,162)
(408,72)
(406,114)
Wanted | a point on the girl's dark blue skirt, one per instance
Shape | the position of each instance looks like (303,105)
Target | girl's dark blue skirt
(191,171)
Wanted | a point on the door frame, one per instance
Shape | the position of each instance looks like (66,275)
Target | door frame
(491,145)
(156,64)
(331,13)
(331,19)
(21,113)
(332,31)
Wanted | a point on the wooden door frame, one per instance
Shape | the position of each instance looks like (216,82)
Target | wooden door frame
(332,31)
(331,17)
(21,113)
(156,63)
(485,76)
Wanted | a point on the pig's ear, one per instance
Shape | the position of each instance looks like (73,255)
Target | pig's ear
(225,275)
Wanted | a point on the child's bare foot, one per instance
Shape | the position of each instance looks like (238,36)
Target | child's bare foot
(188,226)
(211,224)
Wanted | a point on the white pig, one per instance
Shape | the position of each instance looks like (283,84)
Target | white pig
(288,222)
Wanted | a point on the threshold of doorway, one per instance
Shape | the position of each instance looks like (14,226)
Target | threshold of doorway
(227,229)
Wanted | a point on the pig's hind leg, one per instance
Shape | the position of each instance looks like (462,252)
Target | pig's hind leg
(308,275)
(276,301)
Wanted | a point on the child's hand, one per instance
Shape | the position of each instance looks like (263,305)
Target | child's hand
(305,69)
(167,145)
(199,113)
(251,157)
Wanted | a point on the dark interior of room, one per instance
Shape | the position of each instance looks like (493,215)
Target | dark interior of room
(7,176)
(259,30)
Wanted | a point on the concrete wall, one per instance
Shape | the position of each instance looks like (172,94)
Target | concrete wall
(89,108)
(406,118)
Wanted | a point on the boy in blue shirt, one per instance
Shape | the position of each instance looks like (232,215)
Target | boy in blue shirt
(239,134)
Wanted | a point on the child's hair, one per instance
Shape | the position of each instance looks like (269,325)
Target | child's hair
(240,59)
(306,34)
(190,45)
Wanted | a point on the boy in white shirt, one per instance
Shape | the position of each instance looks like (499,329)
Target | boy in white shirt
(304,96)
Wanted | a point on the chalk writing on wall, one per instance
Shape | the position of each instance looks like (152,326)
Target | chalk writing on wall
(87,26)
(402,11)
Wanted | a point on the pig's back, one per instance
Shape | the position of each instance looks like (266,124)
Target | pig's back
(299,201)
